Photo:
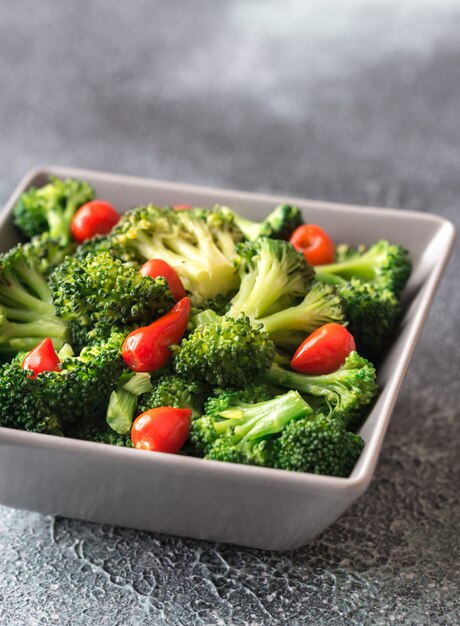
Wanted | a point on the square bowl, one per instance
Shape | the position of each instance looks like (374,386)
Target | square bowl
(252,506)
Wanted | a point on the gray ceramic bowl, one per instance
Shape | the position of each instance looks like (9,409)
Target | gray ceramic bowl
(251,506)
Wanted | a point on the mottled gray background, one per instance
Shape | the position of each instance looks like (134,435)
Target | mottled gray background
(349,101)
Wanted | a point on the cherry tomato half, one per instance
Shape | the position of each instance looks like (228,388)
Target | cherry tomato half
(182,207)
(158,267)
(324,351)
(42,358)
(97,217)
(164,429)
(146,349)
(315,244)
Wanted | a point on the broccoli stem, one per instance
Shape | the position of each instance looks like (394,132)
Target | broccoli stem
(313,312)
(362,267)
(250,229)
(34,280)
(123,401)
(330,279)
(301,382)
(121,409)
(15,293)
(206,317)
(21,315)
(253,421)
(59,223)
(138,384)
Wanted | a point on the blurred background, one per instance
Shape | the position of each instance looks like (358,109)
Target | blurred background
(352,101)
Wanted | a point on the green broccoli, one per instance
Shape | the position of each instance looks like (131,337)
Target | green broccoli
(383,262)
(54,401)
(48,253)
(199,244)
(124,399)
(289,327)
(27,313)
(81,390)
(21,404)
(51,208)
(101,292)
(371,309)
(173,390)
(279,224)
(225,398)
(273,275)
(234,431)
(340,395)
(318,445)
(224,352)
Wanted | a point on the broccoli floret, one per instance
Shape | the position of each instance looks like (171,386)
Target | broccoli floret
(27,313)
(175,391)
(48,253)
(21,404)
(289,327)
(99,243)
(372,311)
(383,262)
(279,224)
(53,401)
(318,445)
(273,276)
(101,292)
(199,244)
(124,400)
(235,432)
(80,391)
(224,398)
(342,394)
(51,208)
(224,352)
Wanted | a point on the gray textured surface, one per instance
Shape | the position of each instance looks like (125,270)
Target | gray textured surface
(356,102)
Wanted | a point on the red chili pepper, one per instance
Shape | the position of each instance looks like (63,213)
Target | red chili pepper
(42,358)
(182,207)
(146,349)
(315,244)
(324,351)
(97,217)
(158,267)
(164,429)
